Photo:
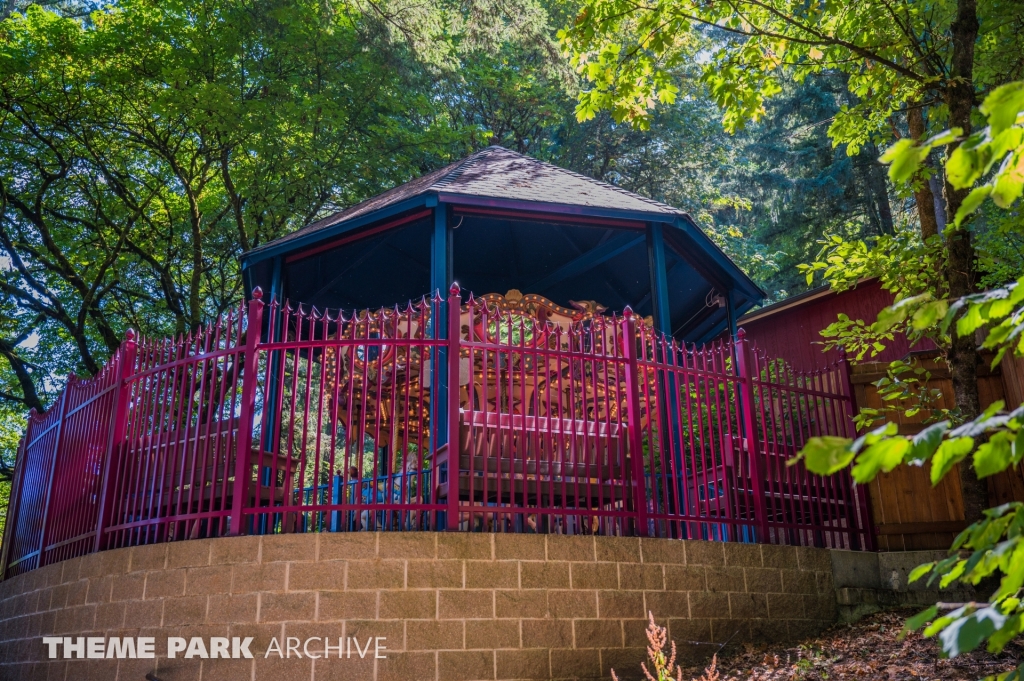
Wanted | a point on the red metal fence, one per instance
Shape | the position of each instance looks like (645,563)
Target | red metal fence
(438,415)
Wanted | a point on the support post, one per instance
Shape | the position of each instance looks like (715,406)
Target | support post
(273,335)
(730,313)
(635,434)
(863,503)
(450,392)
(243,445)
(659,278)
(745,375)
(115,435)
(58,441)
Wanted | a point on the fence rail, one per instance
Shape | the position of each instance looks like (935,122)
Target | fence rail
(441,415)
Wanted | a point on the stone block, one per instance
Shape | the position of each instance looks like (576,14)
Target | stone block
(547,633)
(668,604)
(496,574)
(764,580)
(233,550)
(594,575)
(519,547)
(99,589)
(208,580)
(376,574)
(778,556)
(232,608)
(544,575)
(668,551)
(645,577)
(532,603)
(392,630)
(150,557)
(347,546)
(409,545)
(129,587)
(523,664)
(285,607)
(618,549)
(322,576)
(572,604)
(108,616)
(185,610)
(710,605)
(165,583)
(336,605)
(707,553)
(492,634)
(785,606)
(436,574)
(625,662)
(465,546)
(139,614)
(799,582)
(812,559)
(253,577)
(189,553)
(465,604)
(748,605)
(571,548)
(725,579)
(402,605)
(288,547)
(434,635)
(467,665)
(742,555)
(575,664)
(620,604)
(597,633)
(404,667)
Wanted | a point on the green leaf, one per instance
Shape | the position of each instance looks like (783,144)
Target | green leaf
(881,456)
(825,455)
(993,456)
(920,619)
(972,202)
(965,634)
(919,572)
(948,455)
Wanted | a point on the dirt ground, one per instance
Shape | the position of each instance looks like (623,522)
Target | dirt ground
(869,649)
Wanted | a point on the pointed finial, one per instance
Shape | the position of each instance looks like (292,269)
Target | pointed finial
(454,290)
(129,335)
(741,333)
(627,312)
(257,293)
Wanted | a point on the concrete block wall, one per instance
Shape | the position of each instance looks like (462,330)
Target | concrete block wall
(453,607)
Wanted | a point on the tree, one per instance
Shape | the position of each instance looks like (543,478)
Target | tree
(994,440)
(898,58)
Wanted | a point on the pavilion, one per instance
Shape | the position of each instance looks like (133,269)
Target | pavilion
(498,220)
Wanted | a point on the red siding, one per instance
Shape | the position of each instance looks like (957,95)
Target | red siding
(794,334)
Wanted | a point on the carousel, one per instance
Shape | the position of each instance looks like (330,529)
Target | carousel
(547,263)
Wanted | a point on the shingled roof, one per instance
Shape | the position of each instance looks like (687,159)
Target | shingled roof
(497,172)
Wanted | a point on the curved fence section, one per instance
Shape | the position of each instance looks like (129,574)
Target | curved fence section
(443,414)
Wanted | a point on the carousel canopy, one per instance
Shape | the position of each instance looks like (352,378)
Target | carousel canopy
(498,220)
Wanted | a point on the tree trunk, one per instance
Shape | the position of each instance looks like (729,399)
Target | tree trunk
(923,196)
(961,262)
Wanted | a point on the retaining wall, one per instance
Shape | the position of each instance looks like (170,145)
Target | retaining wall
(452,607)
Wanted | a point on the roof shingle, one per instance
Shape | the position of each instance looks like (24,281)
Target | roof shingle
(496,172)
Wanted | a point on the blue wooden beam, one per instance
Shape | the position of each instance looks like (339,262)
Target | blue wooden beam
(659,278)
(440,280)
(587,261)
(306,240)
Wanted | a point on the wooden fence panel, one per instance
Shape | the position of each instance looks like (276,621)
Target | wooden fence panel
(909,513)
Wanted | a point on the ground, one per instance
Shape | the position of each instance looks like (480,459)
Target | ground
(869,649)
